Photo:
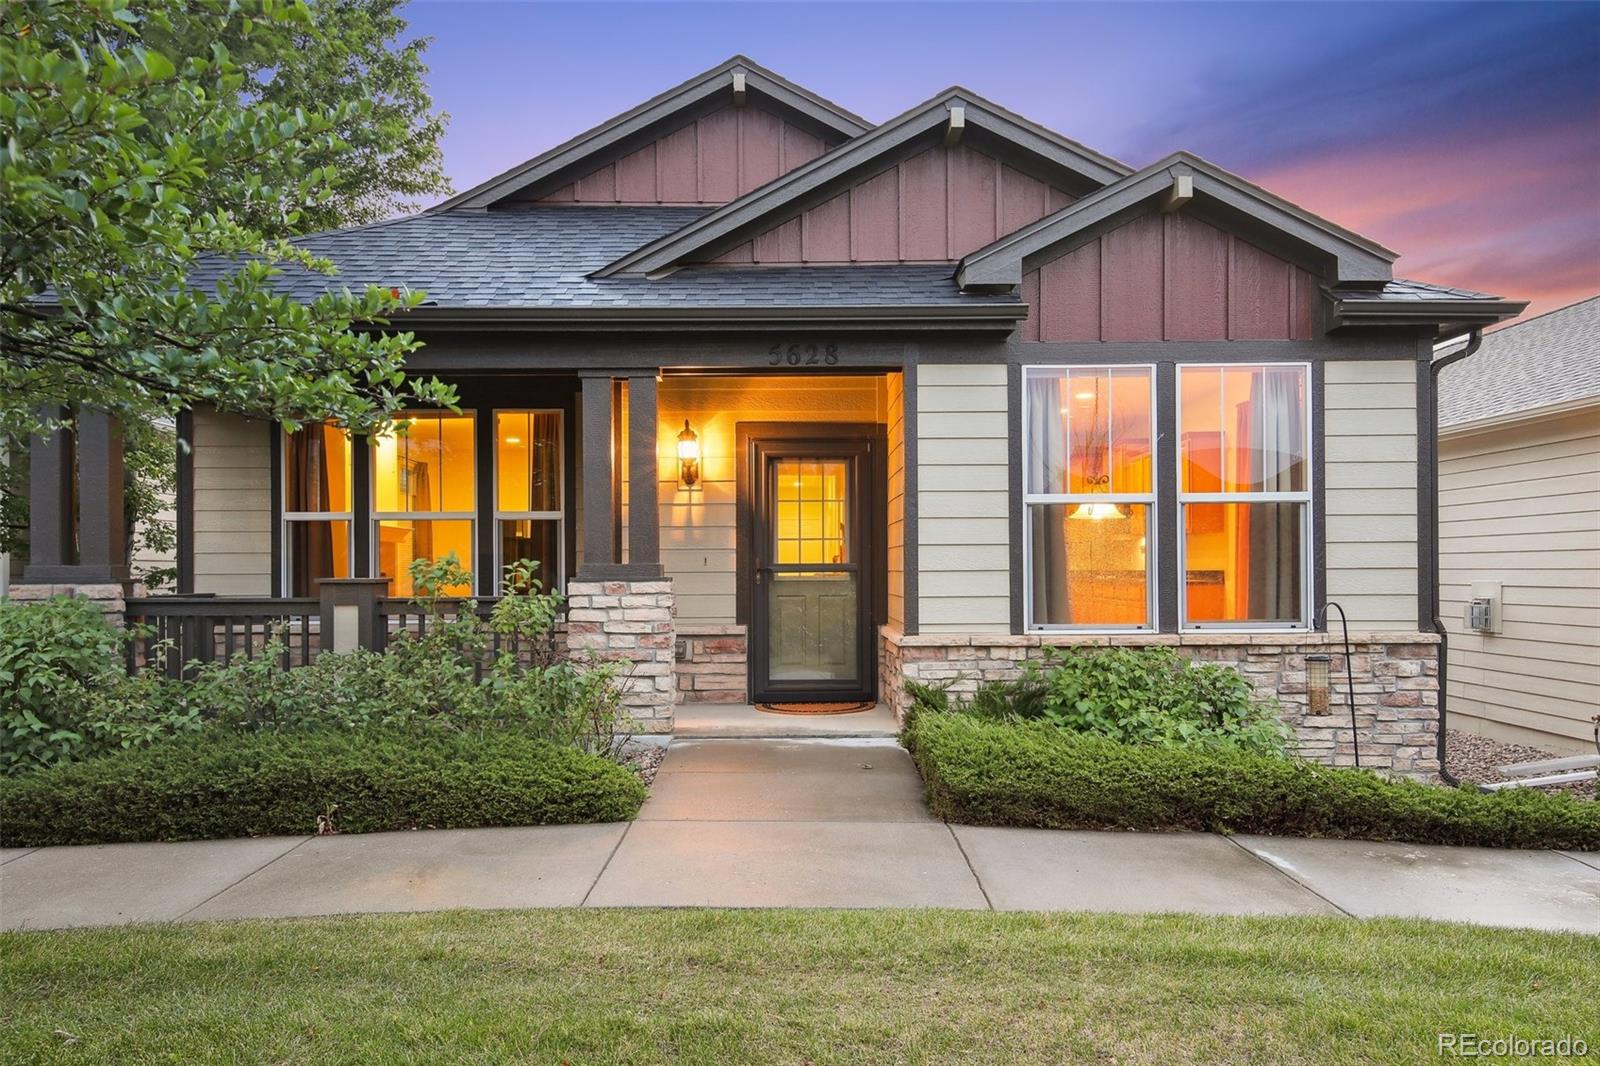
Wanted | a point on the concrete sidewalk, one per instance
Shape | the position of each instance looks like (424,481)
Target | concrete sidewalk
(792,823)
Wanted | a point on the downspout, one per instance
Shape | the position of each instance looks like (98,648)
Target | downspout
(1474,340)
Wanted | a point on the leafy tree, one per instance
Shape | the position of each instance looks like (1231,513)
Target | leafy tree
(136,143)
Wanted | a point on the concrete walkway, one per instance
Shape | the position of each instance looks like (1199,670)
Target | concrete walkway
(815,822)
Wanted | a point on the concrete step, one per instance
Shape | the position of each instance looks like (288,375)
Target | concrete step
(742,721)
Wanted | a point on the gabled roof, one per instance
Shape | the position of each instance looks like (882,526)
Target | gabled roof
(1351,257)
(531,265)
(777,200)
(1549,363)
(570,158)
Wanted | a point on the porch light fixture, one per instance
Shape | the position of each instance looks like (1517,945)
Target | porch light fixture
(688,458)
(1317,683)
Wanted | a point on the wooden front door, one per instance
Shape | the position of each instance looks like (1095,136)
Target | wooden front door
(810,569)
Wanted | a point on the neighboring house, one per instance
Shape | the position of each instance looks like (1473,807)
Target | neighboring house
(1519,527)
(796,407)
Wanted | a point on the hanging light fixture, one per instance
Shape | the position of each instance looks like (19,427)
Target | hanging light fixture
(1098,512)
(1098,450)
(688,458)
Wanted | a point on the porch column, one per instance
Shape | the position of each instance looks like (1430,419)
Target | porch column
(644,517)
(599,505)
(99,556)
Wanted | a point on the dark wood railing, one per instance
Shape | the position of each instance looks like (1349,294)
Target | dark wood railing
(175,631)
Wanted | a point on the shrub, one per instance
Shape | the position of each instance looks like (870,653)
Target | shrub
(982,772)
(218,784)
(1136,696)
(64,693)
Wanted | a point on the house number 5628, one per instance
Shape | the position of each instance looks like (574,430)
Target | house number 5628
(803,355)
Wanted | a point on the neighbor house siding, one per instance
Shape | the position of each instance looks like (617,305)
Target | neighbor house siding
(1520,505)
(934,207)
(1370,454)
(232,505)
(963,524)
(708,161)
(699,528)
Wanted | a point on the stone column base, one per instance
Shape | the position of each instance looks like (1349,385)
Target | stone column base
(629,623)
(112,598)
(1396,682)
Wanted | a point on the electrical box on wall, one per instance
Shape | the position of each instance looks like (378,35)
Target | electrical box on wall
(1484,607)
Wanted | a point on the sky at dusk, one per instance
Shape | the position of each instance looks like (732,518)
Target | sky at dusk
(1465,136)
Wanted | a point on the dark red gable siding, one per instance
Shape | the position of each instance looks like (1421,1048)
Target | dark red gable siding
(1168,277)
(712,160)
(936,207)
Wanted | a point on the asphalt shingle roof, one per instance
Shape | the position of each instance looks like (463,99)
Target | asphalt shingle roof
(1401,290)
(1550,359)
(540,258)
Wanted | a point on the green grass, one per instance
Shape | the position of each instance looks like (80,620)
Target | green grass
(785,986)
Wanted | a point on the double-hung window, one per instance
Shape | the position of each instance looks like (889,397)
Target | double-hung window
(527,505)
(1089,495)
(1244,493)
(424,495)
(316,507)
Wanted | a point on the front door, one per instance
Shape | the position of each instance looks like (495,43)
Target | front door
(811,602)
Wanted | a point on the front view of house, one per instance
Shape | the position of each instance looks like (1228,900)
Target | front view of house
(795,407)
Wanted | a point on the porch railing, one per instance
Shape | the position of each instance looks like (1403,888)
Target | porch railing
(175,632)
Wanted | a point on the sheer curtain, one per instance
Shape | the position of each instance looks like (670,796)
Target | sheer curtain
(1048,470)
(1275,432)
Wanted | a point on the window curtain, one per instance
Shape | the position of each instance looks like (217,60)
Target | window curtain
(1048,471)
(311,547)
(1272,425)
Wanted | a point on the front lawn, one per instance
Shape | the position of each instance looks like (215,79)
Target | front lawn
(785,986)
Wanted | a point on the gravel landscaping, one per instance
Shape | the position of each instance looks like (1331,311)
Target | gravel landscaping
(1471,757)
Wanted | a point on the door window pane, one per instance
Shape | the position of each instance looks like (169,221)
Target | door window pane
(527,460)
(1244,562)
(316,550)
(400,541)
(535,539)
(426,468)
(1243,428)
(1090,564)
(316,470)
(810,515)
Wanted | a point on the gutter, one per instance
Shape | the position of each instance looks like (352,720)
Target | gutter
(1474,341)
(973,315)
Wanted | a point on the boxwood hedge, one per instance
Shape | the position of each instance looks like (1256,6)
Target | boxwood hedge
(986,772)
(216,785)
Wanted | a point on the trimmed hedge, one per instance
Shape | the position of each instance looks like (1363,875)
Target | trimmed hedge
(982,772)
(216,785)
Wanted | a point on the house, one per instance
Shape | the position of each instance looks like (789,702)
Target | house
(1519,530)
(795,406)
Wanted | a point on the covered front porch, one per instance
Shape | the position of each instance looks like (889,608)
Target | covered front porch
(733,535)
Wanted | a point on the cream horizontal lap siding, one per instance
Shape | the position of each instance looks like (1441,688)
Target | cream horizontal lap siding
(699,528)
(963,499)
(232,505)
(1519,505)
(1370,455)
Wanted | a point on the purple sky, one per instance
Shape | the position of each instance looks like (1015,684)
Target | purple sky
(1465,136)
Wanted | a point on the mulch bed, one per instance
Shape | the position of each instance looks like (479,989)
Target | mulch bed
(1471,757)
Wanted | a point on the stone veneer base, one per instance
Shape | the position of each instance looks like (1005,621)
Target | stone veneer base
(629,623)
(713,664)
(1396,681)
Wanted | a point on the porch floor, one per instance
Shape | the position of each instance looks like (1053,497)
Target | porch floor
(743,721)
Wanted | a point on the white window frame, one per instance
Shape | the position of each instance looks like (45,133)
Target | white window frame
(379,517)
(1149,500)
(1305,498)
(559,515)
(286,516)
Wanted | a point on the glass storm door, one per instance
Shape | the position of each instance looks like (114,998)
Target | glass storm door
(812,635)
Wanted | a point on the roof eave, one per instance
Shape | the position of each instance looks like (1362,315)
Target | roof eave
(1447,317)
(977,316)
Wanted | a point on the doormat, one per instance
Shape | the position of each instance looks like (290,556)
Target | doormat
(814,708)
